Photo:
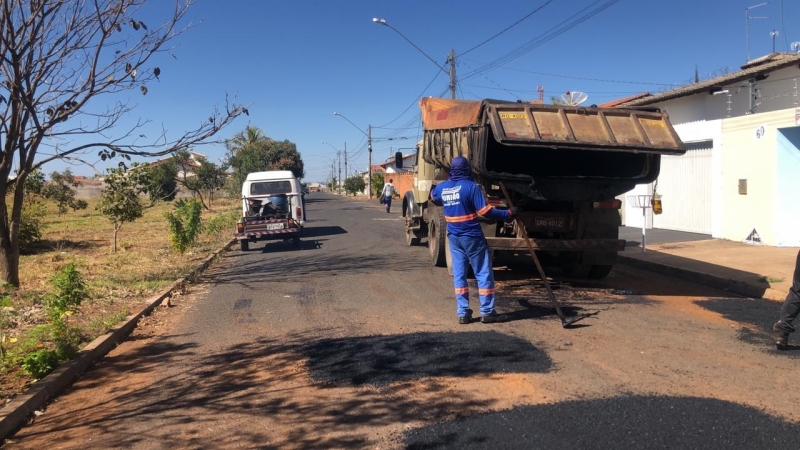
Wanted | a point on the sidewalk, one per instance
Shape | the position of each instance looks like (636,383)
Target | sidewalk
(750,270)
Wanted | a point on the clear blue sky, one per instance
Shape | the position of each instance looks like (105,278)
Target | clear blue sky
(295,63)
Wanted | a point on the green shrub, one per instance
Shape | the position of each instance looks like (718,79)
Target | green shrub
(70,291)
(40,363)
(184,224)
(31,222)
(221,223)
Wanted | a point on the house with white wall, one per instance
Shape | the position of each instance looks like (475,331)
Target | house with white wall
(739,177)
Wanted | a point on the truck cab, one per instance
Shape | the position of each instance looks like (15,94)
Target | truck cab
(273,208)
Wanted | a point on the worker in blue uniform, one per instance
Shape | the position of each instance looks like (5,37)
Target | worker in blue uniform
(463,201)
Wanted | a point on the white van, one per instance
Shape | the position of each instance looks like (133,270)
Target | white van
(272,208)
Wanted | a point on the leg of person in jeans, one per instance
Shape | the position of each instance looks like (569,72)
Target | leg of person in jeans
(789,311)
(388,202)
(480,259)
(460,265)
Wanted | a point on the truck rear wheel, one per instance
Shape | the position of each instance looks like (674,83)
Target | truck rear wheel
(572,268)
(244,245)
(296,242)
(599,271)
(437,238)
(413,237)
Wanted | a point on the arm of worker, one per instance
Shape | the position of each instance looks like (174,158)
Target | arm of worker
(488,211)
(436,196)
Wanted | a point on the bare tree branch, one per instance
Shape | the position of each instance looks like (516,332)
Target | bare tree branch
(58,61)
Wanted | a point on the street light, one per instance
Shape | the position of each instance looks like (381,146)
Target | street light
(338,154)
(368,134)
(333,164)
(451,59)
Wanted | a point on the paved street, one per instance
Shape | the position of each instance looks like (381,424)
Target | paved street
(352,342)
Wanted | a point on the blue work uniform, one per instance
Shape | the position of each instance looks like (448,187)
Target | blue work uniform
(463,202)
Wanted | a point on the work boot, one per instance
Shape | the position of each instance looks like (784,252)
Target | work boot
(780,336)
(466,319)
(494,318)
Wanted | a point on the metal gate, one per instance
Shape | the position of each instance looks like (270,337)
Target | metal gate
(685,187)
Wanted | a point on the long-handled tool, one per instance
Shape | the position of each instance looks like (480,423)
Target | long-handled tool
(566,322)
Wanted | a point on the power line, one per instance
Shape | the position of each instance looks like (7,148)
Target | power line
(491,81)
(572,77)
(508,27)
(414,102)
(559,29)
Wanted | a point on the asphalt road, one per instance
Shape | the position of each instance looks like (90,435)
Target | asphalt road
(352,341)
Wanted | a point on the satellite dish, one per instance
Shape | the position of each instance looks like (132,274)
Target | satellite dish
(574,98)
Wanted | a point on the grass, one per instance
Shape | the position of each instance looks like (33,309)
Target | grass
(118,282)
(766,279)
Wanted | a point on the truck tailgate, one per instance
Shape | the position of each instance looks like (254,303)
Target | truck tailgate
(602,129)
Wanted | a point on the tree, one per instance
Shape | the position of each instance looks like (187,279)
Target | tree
(119,200)
(332,185)
(60,189)
(59,60)
(354,185)
(163,183)
(202,176)
(377,183)
(249,151)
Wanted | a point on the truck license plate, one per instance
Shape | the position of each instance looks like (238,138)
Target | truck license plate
(549,222)
(275,226)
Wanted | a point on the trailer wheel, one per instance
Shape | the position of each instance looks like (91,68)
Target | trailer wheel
(599,271)
(413,237)
(437,238)
(244,245)
(296,242)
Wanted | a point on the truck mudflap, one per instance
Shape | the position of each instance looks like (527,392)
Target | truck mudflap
(561,245)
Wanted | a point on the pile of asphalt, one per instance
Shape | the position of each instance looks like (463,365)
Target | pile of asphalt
(634,422)
(760,314)
(379,360)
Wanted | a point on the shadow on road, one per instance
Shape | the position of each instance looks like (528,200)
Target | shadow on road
(311,200)
(757,317)
(299,265)
(309,232)
(380,360)
(212,398)
(622,278)
(631,422)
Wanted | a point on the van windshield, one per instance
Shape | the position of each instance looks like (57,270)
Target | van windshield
(271,187)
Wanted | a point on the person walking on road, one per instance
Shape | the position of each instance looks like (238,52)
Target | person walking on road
(386,194)
(463,201)
(789,311)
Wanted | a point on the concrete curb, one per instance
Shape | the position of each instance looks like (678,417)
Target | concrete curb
(15,414)
(725,284)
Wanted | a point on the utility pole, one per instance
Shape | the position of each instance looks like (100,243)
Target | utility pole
(452,60)
(339,181)
(369,152)
(345,159)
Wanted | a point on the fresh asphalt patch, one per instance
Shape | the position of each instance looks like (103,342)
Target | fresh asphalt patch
(759,314)
(380,360)
(633,422)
